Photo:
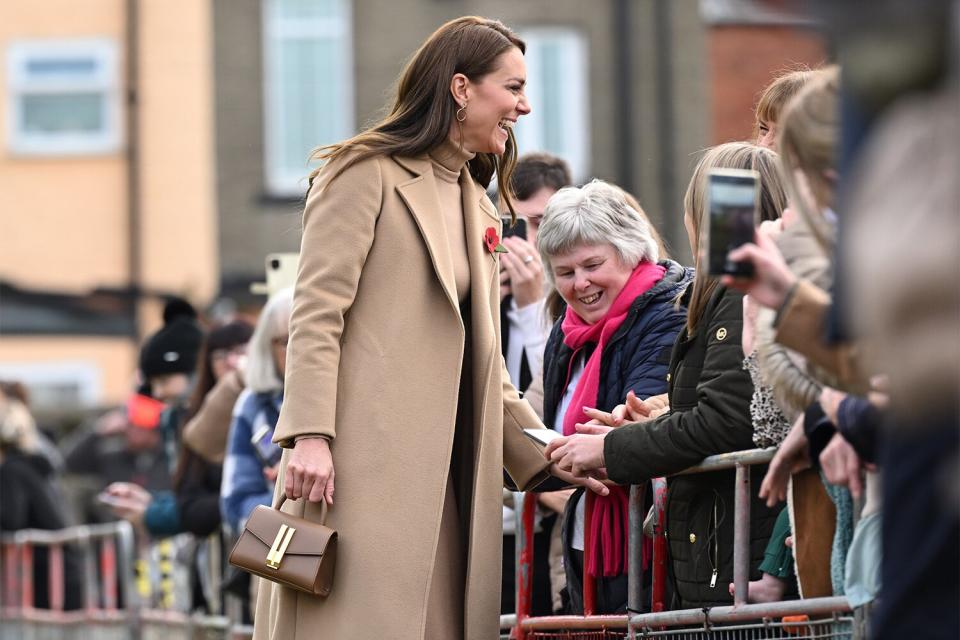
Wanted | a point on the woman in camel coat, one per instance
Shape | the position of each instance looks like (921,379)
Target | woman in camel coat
(395,387)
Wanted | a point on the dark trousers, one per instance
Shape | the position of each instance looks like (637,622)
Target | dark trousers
(920,592)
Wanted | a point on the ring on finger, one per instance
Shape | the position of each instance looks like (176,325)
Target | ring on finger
(527,259)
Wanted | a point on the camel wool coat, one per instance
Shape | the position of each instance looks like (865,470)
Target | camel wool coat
(377,343)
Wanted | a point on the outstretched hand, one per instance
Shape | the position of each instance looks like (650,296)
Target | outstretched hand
(772,278)
(590,482)
(792,456)
(578,454)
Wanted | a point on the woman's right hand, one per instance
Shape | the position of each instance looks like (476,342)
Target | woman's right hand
(309,471)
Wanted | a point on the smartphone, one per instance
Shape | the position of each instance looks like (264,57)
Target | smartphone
(266,449)
(516,230)
(542,436)
(281,272)
(732,212)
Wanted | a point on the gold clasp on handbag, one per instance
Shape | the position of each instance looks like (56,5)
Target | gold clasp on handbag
(280,544)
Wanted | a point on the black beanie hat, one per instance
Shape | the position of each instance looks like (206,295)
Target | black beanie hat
(174,348)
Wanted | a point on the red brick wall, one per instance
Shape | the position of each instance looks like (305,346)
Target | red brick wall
(743,60)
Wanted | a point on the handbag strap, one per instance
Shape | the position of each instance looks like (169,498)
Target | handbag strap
(323,507)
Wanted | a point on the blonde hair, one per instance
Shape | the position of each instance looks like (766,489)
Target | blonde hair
(18,429)
(809,131)
(261,372)
(773,200)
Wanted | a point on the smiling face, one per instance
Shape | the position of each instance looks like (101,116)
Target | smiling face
(494,103)
(589,278)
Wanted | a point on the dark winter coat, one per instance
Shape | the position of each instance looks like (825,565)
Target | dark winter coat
(635,359)
(29,500)
(709,414)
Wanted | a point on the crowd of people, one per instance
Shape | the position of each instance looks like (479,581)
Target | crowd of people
(383,358)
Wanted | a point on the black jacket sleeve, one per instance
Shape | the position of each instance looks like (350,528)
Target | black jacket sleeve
(718,423)
(198,496)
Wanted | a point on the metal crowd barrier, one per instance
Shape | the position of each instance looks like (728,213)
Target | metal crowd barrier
(126,594)
(108,609)
(821,618)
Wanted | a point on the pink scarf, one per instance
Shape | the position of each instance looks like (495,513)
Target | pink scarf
(609,519)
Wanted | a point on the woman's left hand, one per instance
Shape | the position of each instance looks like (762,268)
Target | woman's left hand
(579,454)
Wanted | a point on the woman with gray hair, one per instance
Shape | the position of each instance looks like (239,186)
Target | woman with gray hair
(250,465)
(614,339)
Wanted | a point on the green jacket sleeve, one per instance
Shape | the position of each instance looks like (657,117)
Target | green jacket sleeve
(718,422)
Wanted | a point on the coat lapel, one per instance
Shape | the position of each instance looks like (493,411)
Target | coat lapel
(478,216)
(420,196)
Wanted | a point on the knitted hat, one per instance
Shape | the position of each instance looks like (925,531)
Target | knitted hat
(174,348)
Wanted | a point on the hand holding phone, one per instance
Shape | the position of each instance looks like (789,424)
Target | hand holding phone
(266,449)
(732,218)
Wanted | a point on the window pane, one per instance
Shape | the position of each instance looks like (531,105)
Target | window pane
(552,97)
(63,113)
(309,100)
(308,9)
(61,67)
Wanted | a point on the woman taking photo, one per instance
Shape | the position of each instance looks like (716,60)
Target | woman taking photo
(621,319)
(395,388)
(709,400)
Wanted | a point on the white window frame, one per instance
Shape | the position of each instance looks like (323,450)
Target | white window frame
(84,374)
(279,181)
(576,107)
(104,80)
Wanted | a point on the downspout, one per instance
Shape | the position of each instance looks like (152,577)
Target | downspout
(663,43)
(133,166)
(623,63)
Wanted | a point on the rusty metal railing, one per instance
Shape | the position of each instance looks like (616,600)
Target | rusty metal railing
(522,625)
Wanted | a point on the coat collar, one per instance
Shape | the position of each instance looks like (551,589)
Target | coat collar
(419,193)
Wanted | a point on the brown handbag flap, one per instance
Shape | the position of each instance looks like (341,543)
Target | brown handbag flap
(309,539)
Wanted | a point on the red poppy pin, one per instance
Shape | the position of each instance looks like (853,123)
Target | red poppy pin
(492,240)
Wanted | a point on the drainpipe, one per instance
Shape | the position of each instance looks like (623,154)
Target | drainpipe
(663,40)
(133,165)
(623,63)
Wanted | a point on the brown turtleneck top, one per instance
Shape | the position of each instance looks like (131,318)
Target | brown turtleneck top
(447,161)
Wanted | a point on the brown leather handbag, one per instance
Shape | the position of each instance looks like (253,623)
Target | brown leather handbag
(288,550)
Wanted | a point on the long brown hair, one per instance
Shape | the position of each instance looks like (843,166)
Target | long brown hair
(425,110)
(773,200)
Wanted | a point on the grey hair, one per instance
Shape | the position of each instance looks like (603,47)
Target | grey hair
(595,214)
(261,372)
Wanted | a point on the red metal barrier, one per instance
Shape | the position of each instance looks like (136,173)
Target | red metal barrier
(659,561)
(589,583)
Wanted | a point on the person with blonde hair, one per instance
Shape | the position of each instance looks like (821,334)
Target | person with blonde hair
(248,470)
(394,368)
(709,410)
